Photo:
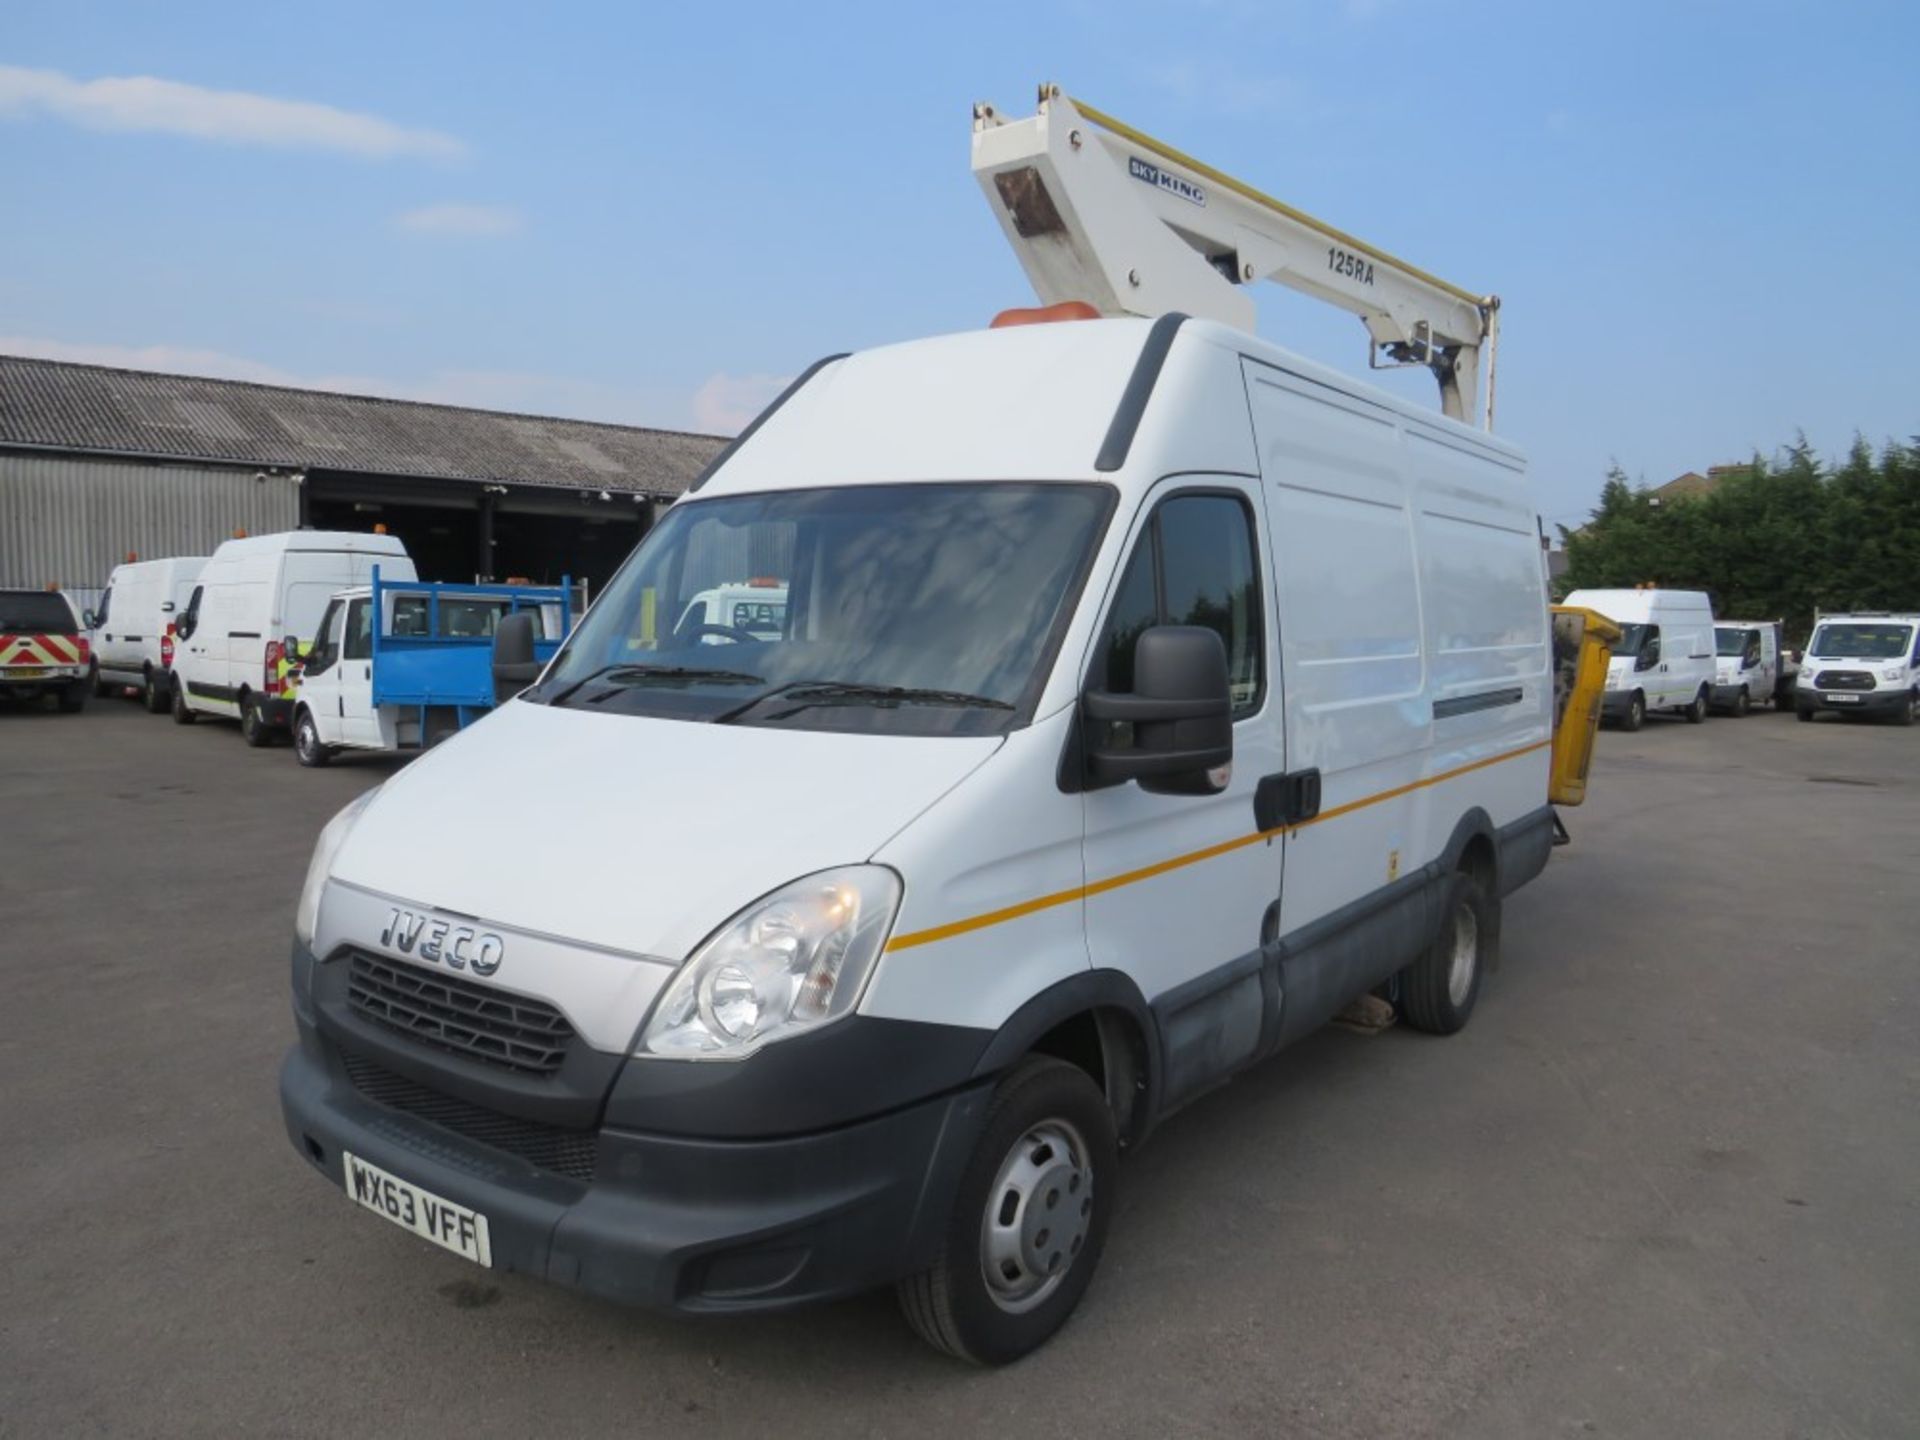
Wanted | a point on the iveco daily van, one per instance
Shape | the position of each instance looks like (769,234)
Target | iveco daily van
(256,601)
(1862,664)
(1142,695)
(133,626)
(1665,658)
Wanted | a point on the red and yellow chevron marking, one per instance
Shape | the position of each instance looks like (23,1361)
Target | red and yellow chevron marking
(42,650)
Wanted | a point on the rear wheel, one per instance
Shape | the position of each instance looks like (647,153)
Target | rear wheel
(1636,715)
(73,698)
(101,689)
(253,725)
(1438,991)
(177,702)
(1697,711)
(1029,1219)
(154,692)
(306,742)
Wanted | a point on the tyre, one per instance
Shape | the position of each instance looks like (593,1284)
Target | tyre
(1636,715)
(1697,711)
(307,748)
(1905,714)
(101,690)
(177,702)
(1029,1219)
(154,694)
(1438,991)
(73,699)
(1742,703)
(253,725)
(1805,714)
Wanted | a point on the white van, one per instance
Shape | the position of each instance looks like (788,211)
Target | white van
(1665,659)
(133,637)
(256,603)
(757,606)
(1864,663)
(1143,696)
(1748,661)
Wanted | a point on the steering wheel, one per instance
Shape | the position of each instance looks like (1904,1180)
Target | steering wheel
(729,632)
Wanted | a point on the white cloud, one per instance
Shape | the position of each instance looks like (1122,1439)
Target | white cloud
(463,220)
(143,103)
(726,404)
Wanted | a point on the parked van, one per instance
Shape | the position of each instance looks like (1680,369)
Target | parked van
(257,600)
(1143,696)
(757,606)
(43,649)
(1749,665)
(1665,657)
(1865,663)
(132,626)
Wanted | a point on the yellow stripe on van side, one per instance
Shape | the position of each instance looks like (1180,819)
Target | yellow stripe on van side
(1115,882)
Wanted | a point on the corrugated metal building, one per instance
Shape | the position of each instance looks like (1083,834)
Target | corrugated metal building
(97,464)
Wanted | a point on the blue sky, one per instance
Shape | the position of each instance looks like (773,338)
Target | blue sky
(1702,217)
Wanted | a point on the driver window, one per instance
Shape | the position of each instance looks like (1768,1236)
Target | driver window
(1650,648)
(358,644)
(326,644)
(184,626)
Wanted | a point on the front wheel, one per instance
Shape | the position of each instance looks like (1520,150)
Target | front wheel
(1905,714)
(1636,712)
(1438,991)
(101,689)
(1805,714)
(154,693)
(1697,711)
(1742,703)
(1029,1219)
(181,714)
(306,742)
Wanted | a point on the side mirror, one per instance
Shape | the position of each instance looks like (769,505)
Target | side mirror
(514,667)
(290,650)
(183,627)
(1181,712)
(89,620)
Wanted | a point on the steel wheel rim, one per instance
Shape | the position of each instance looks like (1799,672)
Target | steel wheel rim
(1466,954)
(304,738)
(1038,1215)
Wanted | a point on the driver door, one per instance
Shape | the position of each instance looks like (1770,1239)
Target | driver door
(1180,886)
(320,677)
(359,726)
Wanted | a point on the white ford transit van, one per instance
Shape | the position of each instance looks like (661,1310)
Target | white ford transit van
(1142,695)
(1665,659)
(1749,665)
(133,626)
(1862,664)
(257,602)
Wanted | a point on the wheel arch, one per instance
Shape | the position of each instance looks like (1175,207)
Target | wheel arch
(1099,1021)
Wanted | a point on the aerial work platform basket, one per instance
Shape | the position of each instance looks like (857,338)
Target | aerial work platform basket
(1583,643)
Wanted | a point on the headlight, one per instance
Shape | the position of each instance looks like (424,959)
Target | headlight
(306,917)
(788,963)
(1894,674)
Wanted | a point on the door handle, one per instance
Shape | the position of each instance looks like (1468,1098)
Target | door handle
(1286,799)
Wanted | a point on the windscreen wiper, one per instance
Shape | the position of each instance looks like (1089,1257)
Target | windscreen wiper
(626,674)
(806,693)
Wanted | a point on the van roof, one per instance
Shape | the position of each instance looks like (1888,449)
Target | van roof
(1033,402)
(335,540)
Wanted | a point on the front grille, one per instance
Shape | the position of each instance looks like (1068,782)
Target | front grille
(509,1031)
(1843,680)
(571,1153)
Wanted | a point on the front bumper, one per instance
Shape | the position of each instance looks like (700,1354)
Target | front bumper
(1853,702)
(669,1222)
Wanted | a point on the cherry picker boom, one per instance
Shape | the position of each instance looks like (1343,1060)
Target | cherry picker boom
(1100,213)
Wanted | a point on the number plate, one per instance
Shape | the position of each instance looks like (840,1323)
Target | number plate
(1841,699)
(450,1226)
(24,672)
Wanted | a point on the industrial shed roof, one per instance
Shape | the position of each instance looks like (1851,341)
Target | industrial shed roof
(97,410)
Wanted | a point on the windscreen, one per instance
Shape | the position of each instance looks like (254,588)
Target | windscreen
(1860,640)
(1734,642)
(927,609)
(32,612)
